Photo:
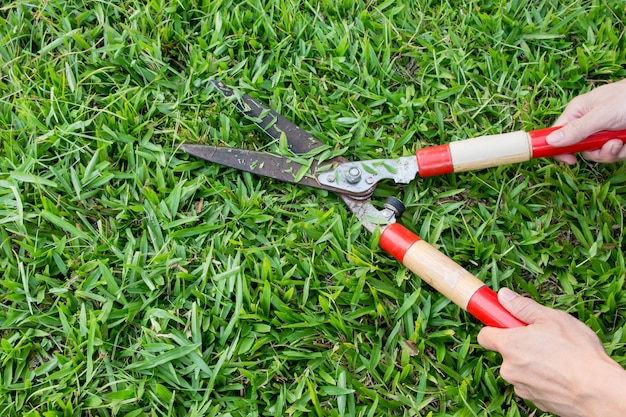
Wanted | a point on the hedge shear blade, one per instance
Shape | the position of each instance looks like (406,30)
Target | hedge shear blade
(283,168)
(260,163)
(432,266)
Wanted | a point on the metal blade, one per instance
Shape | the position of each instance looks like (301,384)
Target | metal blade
(299,141)
(264,164)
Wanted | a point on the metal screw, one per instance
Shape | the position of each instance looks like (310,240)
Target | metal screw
(353,175)
(369,180)
(395,205)
(330,178)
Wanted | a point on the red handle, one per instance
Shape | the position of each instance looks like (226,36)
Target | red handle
(541,148)
(484,305)
(446,276)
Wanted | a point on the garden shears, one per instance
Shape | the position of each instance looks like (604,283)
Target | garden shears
(355,182)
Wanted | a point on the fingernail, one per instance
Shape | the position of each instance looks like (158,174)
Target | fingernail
(506,295)
(616,149)
(555,138)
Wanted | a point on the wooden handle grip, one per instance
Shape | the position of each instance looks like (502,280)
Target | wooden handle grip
(446,276)
(476,153)
(495,150)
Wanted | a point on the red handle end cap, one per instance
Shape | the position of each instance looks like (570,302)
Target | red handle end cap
(396,240)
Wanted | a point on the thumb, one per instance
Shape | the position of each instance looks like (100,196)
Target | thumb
(523,308)
(576,130)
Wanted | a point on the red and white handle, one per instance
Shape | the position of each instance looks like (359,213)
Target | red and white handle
(446,276)
(495,150)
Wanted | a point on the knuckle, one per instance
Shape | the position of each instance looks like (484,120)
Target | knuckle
(507,373)
(526,309)
(577,125)
(483,337)
(579,101)
(521,392)
(561,321)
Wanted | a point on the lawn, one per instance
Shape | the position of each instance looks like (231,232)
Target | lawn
(138,281)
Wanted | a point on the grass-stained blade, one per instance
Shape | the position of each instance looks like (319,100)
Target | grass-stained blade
(298,141)
(260,163)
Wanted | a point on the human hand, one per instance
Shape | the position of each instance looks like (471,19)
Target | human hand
(556,361)
(603,108)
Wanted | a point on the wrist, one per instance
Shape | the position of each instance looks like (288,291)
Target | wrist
(603,392)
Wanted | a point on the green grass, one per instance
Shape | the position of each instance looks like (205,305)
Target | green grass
(137,281)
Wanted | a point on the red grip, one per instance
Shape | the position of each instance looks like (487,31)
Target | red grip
(396,240)
(435,160)
(484,305)
(541,148)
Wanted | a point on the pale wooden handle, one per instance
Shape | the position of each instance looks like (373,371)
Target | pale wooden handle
(490,151)
(442,273)
(476,153)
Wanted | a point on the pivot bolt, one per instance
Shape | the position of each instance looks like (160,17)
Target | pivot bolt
(353,175)
(394,205)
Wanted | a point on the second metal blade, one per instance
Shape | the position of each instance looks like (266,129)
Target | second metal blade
(273,124)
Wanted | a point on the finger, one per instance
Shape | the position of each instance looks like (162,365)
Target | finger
(577,129)
(521,390)
(566,158)
(612,151)
(523,308)
(575,109)
(488,338)
(525,392)
(621,156)
(567,116)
